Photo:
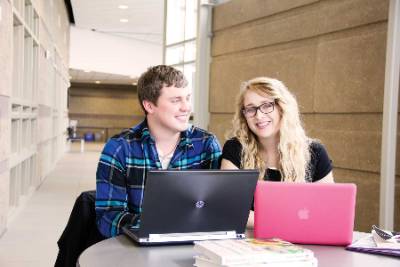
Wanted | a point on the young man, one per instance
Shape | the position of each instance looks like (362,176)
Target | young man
(164,140)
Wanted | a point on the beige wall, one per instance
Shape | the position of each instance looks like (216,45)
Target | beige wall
(104,109)
(331,54)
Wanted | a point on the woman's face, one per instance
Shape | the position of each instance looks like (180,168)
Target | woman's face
(265,123)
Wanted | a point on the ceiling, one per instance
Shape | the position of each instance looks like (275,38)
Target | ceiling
(145,19)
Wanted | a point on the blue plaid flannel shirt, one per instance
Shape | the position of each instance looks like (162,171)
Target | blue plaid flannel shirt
(123,165)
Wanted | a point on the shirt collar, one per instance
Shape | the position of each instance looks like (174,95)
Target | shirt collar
(185,140)
(145,135)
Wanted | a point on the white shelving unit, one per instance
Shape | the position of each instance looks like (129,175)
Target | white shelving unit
(40,81)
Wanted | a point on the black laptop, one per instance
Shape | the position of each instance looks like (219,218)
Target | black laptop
(182,206)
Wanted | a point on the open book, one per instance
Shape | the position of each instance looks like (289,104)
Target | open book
(385,239)
(251,252)
(378,242)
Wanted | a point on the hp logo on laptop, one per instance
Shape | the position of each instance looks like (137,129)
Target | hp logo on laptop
(200,204)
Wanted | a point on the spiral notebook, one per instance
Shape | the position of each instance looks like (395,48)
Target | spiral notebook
(378,242)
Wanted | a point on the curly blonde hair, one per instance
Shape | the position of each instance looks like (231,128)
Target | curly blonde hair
(293,146)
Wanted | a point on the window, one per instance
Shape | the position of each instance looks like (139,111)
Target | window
(180,39)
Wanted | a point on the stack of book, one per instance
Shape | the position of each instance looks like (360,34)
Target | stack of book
(252,253)
(378,242)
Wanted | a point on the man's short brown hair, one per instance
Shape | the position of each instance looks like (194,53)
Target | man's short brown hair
(154,79)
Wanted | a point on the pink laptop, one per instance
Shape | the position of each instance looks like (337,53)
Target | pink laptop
(305,213)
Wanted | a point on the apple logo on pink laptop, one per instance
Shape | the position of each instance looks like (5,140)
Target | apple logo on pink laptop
(303,214)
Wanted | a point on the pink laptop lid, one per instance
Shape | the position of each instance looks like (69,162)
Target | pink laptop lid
(305,213)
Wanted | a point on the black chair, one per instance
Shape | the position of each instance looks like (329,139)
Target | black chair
(81,231)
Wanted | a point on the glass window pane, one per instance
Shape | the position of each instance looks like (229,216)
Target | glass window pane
(191,19)
(175,21)
(179,67)
(190,51)
(174,55)
(181,26)
(189,70)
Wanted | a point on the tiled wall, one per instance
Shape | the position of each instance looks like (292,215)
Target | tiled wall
(331,54)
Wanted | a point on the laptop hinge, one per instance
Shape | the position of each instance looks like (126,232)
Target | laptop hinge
(176,237)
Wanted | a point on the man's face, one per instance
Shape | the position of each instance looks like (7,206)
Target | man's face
(173,108)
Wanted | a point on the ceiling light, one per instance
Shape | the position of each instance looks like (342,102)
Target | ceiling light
(124,20)
(97,82)
(122,6)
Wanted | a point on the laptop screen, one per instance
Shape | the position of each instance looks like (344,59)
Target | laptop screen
(188,201)
(307,213)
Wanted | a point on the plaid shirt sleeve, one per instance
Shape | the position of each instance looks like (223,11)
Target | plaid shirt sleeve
(111,195)
(213,153)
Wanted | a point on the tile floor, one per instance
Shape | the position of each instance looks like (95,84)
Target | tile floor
(32,233)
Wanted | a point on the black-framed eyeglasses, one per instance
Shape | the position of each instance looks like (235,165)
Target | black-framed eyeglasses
(265,108)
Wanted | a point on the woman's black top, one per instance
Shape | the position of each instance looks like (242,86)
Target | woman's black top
(319,166)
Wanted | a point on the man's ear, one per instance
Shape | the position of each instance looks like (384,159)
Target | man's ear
(148,106)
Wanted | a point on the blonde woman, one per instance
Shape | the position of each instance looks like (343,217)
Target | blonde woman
(268,136)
